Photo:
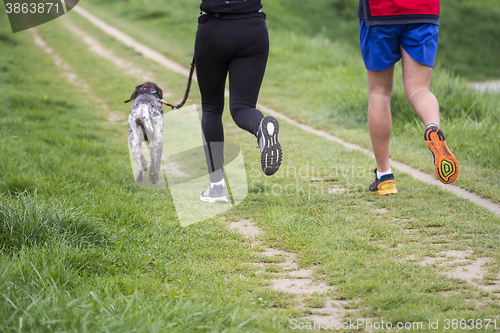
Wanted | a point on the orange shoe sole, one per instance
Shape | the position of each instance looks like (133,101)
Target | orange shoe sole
(387,187)
(445,163)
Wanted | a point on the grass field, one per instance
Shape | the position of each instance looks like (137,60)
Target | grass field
(83,249)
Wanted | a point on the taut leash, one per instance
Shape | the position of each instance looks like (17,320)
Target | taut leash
(190,79)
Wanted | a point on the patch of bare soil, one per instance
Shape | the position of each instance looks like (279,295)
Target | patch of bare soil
(173,169)
(491,86)
(292,280)
(329,315)
(300,286)
(336,189)
(116,117)
(380,210)
(247,228)
(460,266)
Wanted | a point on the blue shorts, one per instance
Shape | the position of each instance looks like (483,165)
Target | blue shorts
(380,44)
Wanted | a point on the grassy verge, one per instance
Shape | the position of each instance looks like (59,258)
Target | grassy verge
(86,250)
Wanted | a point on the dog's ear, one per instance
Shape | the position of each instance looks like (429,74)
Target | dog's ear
(159,91)
(134,94)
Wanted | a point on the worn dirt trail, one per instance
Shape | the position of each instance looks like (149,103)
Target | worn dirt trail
(490,86)
(287,277)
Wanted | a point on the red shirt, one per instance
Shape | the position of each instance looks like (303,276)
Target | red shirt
(384,12)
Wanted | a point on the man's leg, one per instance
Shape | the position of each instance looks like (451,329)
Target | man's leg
(417,80)
(379,114)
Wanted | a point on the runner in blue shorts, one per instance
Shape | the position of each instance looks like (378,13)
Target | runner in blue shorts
(406,30)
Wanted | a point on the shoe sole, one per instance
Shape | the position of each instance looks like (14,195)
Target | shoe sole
(392,190)
(214,200)
(445,163)
(272,155)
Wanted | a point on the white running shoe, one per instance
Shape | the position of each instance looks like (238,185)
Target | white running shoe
(214,194)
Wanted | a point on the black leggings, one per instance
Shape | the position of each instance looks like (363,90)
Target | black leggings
(240,47)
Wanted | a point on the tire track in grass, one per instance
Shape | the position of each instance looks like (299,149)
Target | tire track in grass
(72,77)
(147,52)
(95,47)
(129,68)
(156,56)
(67,72)
(290,279)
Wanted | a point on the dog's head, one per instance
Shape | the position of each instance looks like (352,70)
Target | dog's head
(152,87)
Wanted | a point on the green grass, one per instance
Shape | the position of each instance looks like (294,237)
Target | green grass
(469,38)
(27,223)
(85,250)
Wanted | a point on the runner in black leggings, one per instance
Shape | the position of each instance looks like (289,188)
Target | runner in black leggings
(232,38)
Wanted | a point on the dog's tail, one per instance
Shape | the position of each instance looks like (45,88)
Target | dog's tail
(140,122)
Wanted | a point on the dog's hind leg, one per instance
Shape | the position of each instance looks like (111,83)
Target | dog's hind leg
(156,150)
(155,154)
(136,145)
(144,163)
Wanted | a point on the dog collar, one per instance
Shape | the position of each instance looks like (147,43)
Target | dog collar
(149,90)
(146,90)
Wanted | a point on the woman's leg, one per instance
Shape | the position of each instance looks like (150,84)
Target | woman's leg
(211,71)
(246,72)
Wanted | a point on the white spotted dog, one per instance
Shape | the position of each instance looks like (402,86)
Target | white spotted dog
(146,124)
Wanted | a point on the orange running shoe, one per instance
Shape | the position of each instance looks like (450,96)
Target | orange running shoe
(445,163)
(385,185)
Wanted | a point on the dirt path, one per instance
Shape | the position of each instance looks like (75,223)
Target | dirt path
(173,66)
(286,277)
(492,86)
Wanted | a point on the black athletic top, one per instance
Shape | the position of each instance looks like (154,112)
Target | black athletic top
(230,9)
(382,12)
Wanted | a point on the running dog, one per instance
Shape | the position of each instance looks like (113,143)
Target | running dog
(146,124)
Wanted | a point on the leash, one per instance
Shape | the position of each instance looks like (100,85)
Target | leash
(186,94)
